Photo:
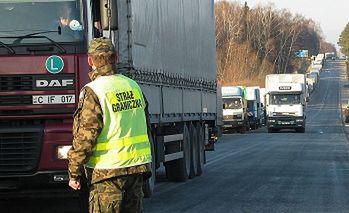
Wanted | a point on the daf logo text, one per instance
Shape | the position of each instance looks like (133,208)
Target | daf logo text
(55,83)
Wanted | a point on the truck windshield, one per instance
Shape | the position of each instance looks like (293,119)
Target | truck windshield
(232,103)
(48,17)
(285,99)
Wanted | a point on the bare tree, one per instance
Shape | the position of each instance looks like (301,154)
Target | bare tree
(262,40)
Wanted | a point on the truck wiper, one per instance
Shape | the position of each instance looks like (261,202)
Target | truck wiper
(59,31)
(20,38)
(9,49)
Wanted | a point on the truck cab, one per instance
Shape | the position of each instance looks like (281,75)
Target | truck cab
(43,66)
(234,108)
(286,107)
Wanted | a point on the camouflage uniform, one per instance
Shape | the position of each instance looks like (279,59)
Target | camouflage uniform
(109,188)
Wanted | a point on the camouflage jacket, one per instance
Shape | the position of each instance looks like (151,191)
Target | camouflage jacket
(88,123)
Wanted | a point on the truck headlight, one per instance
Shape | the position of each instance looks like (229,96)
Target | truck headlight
(62,152)
(299,120)
(271,121)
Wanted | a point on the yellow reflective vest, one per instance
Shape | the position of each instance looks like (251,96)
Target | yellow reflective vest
(123,141)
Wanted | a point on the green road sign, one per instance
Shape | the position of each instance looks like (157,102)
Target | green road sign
(54,64)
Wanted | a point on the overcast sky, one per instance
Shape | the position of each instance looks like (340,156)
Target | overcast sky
(332,15)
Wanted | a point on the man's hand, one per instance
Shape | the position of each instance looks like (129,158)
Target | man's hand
(74,184)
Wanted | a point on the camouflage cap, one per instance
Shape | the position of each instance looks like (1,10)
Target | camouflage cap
(99,45)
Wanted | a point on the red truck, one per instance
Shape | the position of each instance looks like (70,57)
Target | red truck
(43,66)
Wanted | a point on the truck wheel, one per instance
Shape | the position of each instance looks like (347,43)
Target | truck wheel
(148,185)
(193,151)
(301,130)
(178,170)
(201,149)
(253,125)
(270,130)
(248,126)
(243,129)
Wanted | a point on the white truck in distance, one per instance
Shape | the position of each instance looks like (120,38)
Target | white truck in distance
(318,62)
(285,102)
(234,108)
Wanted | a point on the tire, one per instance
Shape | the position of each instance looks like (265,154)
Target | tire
(243,129)
(301,130)
(179,170)
(201,149)
(193,151)
(270,130)
(253,125)
(248,127)
(148,185)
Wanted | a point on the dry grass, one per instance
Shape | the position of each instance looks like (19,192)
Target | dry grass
(244,67)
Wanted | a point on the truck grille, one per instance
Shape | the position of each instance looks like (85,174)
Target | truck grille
(284,113)
(231,117)
(15,100)
(16,83)
(227,117)
(10,83)
(20,148)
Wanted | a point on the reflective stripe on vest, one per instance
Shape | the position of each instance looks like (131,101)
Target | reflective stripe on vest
(123,141)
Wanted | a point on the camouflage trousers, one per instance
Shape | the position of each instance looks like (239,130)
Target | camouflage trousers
(117,195)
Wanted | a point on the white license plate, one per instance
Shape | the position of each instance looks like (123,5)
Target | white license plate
(53,99)
(285,123)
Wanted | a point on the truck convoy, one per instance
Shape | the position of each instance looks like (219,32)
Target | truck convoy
(285,102)
(234,108)
(167,46)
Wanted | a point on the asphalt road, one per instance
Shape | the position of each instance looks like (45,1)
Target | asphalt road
(273,172)
(258,171)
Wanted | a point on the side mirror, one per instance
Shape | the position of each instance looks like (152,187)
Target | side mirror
(109,11)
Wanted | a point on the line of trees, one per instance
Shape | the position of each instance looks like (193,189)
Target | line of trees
(344,40)
(253,42)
